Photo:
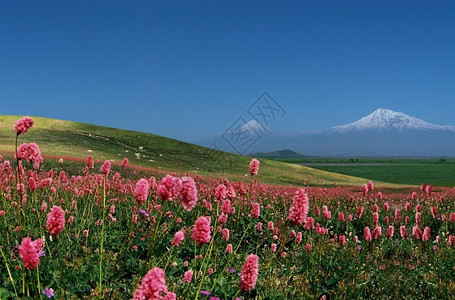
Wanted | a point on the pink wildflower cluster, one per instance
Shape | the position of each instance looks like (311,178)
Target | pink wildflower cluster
(31,153)
(188,195)
(153,286)
(23,125)
(169,188)
(142,191)
(254,167)
(56,220)
(29,252)
(299,208)
(201,231)
(249,274)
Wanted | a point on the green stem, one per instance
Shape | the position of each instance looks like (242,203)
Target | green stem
(9,272)
(39,283)
(102,238)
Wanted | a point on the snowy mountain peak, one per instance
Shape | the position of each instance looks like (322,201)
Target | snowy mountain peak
(386,119)
(254,127)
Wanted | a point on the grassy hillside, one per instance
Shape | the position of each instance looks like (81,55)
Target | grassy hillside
(57,138)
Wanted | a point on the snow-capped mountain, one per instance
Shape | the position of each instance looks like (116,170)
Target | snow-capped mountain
(381,133)
(386,119)
(253,127)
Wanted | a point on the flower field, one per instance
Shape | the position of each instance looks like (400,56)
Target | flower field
(100,234)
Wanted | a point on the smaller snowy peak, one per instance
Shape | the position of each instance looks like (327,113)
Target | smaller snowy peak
(386,119)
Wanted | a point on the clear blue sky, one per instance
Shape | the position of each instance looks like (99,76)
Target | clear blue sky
(188,69)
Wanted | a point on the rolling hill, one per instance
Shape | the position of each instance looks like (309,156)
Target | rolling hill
(75,141)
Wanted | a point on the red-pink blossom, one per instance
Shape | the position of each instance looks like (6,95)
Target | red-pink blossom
(124,162)
(416,232)
(29,254)
(188,195)
(142,191)
(426,234)
(221,192)
(90,162)
(403,232)
(228,249)
(23,125)
(390,232)
(152,286)
(299,209)
(452,240)
(169,188)
(370,186)
(367,234)
(179,237)
(254,166)
(201,230)
(342,240)
(226,206)
(225,234)
(255,211)
(56,220)
(249,274)
(105,168)
(31,153)
(188,276)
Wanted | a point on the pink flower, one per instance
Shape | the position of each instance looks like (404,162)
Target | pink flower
(403,232)
(31,153)
(434,212)
(201,230)
(370,186)
(124,162)
(364,189)
(228,249)
(390,232)
(309,223)
(169,188)
(308,247)
(254,166)
(418,219)
(29,254)
(221,192)
(223,218)
(273,247)
(226,206)
(141,192)
(23,125)
(298,238)
(298,211)
(225,234)
(255,212)
(90,162)
(377,232)
(342,240)
(179,237)
(375,219)
(426,234)
(170,296)
(249,274)
(188,276)
(152,286)
(416,232)
(367,234)
(188,196)
(359,212)
(106,168)
(407,206)
(452,240)
(56,220)
(452,217)
(341,217)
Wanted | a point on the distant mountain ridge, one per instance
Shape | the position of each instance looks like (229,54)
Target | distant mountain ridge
(382,133)
(386,119)
(278,154)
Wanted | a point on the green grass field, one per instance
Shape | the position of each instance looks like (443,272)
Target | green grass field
(413,171)
(73,140)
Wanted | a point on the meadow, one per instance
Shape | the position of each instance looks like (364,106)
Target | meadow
(97,230)
(410,171)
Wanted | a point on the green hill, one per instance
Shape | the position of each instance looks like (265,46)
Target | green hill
(75,141)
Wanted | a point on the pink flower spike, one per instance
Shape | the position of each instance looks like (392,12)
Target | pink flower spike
(23,125)
(249,274)
(56,220)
